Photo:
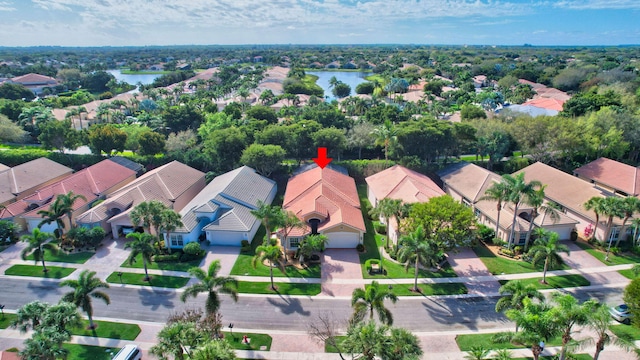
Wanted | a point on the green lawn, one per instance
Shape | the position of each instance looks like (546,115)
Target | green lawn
(108,329)
(625,258)
(555,282)
(74,257)
(244,264)
(576,356)
(429,289)
(501,265)
(172,266)
(255,343)
(629,274)
(466,342)
(626,330)
(156,280)
(248,287)
(54,272)
(84,352)
(6,320)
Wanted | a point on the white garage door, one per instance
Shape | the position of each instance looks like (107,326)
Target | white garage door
(224,238)
(342,240)
(564,232)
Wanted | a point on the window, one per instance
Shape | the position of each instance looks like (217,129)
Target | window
(478,213)
(176,240)
(294,242)
(614,233)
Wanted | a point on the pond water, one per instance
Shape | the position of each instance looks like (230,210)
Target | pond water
(351,78)
(134,79)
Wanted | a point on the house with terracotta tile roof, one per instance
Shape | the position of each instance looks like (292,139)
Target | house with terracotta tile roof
(94,183)
(468,184)
(571,192)
(327,201)
(173,184)
(35,82)
(398,182)
(22,180)
(612,176)
(221,212)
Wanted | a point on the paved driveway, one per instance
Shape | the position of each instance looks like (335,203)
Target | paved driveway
(580,259)
(466,263)
(338,267)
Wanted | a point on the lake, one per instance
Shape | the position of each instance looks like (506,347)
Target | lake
(351,78)
(134,79)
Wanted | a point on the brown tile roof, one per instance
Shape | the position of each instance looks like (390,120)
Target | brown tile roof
(470,180)
(164,184)
(31,79)
(28,176)
(326,192)
(562,188)
(614,174)
(91,183)
(398,182)
(546,103)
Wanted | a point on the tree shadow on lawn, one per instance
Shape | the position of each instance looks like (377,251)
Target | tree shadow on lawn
(157,298)
(289,305)
(464,311)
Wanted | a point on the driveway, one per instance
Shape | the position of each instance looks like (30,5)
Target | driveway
(466,263)
(339,266)
(226,254)
(580,259)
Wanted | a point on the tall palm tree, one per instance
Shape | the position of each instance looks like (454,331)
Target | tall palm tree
(635,223)
(416,248)
(630,205)
(61,207)
(269,215)
(386,208)
(177,339)
(38,242)
(536,200)
(271,253)
(371,300)
(385,136)
(569,313)
(613,207)
(498,192)
(169,221)
(596,204)
(211,284)
(45,344)
(513,294)
(30,315)
(148,214)
(85,288)
(600,323)
(142,245)
(519,192)
(290,222)
(547,247)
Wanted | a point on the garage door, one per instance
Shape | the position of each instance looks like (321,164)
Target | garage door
(343,240)
(224,238)
(564,232)
(49,228)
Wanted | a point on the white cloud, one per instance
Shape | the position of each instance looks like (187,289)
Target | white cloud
(539,32)
(6,6)
(598,4)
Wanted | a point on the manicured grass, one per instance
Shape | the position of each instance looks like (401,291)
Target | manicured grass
(244,264)
(576,356)
(466,342)
(255,343)
(74,257)
(555,282)
(172,266)
(156,280)
(624,258)
(376,77)
(248,287)
(84,352)
(629,274)
(54,272)
(626,331)
(6,320)
(108,329)
(429,289)
(501,265)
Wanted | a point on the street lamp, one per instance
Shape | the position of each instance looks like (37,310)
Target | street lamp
(231,328)
(120,276)
(2,310)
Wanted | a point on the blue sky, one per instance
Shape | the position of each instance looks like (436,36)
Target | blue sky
(168,22)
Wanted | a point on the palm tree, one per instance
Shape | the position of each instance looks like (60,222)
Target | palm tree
(547,247)
(600,323)
(38,243)
(613,207)
(635,223)
(401,345)
(142,245)
(30,315)
(415,248)
(177,339)
(219,350)
(385,136)
(569,313)
(271,253)
(502,354)
(477,352)
(45,344)
(386,208)
(519,192)
(596,204)
(366,339)
(289,222)
(371,300)
(498,192)
(513,294)
(311,243)
(169,221)
(536,200)
(62,206)
(630,205)
(270,216)
(148,214)
(211,284)
(85,288)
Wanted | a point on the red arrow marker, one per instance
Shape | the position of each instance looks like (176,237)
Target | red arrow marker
(322,160)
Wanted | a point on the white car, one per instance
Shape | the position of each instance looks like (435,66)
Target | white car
(621,313)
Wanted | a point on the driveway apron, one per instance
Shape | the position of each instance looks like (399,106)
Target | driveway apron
(580,259)
(466,263)
(338,267)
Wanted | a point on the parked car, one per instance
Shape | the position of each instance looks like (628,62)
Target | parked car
(621,313)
